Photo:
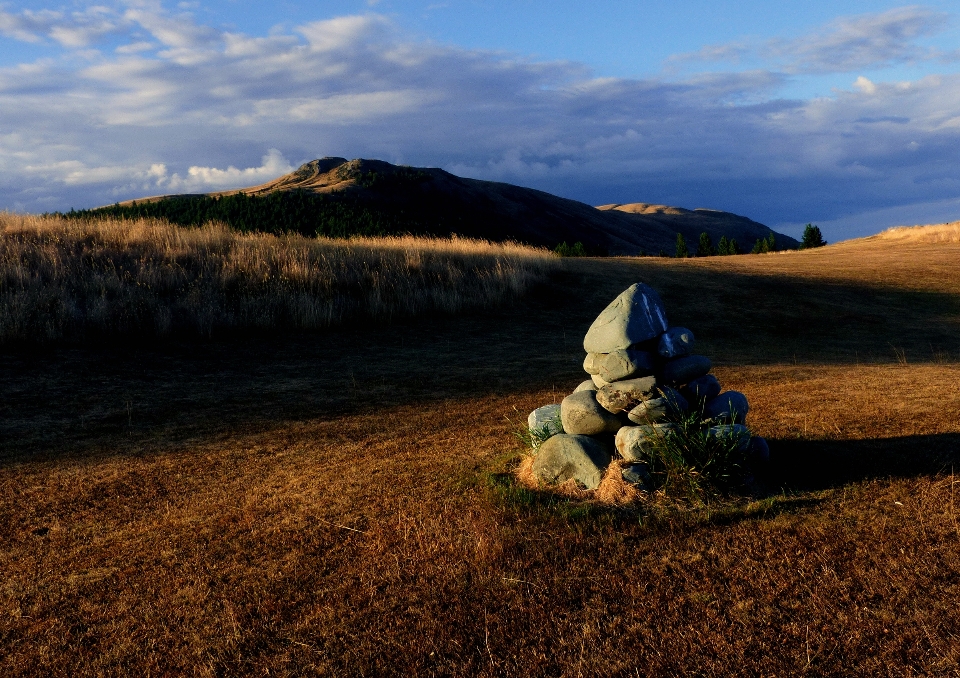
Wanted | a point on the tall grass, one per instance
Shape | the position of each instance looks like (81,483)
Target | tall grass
(63,278)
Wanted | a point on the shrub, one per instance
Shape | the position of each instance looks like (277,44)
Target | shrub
(693,463)
(575,250)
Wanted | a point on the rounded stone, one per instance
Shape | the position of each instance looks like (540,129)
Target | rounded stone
(625,363)
(635,443)
(685,369)
(579,457)
(581,414)
(759,453)
(636,315)
(728,408)
(702,388)
(591,364)
(587,385)
(737,434)
(598,381)
(621,396)
(545,421)
(675,342)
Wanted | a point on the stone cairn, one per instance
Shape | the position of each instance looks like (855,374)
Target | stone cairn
(642,373)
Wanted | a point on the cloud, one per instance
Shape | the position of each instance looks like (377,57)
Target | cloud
(843,45)
(182,107)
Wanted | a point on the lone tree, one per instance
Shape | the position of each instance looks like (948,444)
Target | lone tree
(705,246)
(812,237)
(682,251)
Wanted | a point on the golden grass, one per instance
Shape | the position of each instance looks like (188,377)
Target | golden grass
(324,505)
(935,233)
(62,278)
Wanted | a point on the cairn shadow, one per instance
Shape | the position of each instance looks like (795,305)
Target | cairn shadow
(811,465)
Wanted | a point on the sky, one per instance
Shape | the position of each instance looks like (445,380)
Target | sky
(788,113)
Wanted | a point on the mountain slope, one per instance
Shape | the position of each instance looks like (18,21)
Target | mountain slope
(433,201)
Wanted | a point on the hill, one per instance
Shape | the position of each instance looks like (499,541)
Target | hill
(337,197)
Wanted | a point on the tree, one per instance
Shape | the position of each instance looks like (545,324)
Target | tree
(705,246)
(682,251)
(812,237)
(723,246)
(760,247)
(771,243)
(733,247)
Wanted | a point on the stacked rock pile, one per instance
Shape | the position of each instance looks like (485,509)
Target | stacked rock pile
(642,374)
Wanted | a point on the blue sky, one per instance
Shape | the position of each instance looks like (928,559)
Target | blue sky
(787,112)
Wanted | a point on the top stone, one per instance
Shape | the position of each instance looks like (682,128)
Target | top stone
(636,315)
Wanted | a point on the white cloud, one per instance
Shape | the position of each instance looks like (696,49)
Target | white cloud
(211,178)
(846,44)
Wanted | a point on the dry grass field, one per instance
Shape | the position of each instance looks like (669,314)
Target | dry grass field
(338,503)
(100,278)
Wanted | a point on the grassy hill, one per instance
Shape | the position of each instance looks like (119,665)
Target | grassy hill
(337,503)
(335,197)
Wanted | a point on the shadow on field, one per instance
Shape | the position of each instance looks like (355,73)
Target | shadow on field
(806,465)
(78,396)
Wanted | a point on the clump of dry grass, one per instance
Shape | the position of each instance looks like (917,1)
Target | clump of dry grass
(612,491)
(70,278)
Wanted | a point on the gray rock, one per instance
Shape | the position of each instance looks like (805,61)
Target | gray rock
(734,433)
(544,422)
(598,381)
(706,387)
(759,453)
(582,415)
(563,457)
(669,403)
(624,395)
(591,364)
(675,342)
(635,316)
(587,385)
(635,443)
(728,408)
(637,474)
(685,369)
(625,363)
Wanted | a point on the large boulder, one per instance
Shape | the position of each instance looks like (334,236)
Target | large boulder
(579,457)
(685,369)
(635,316)
(702,388)
(625,363)
(675,342)
(581,414)
(624,395)
(635,443)
(728,408)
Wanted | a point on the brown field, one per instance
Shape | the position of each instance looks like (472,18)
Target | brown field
(337,502)
(74,279)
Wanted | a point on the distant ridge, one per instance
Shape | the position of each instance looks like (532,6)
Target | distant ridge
(432,201)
